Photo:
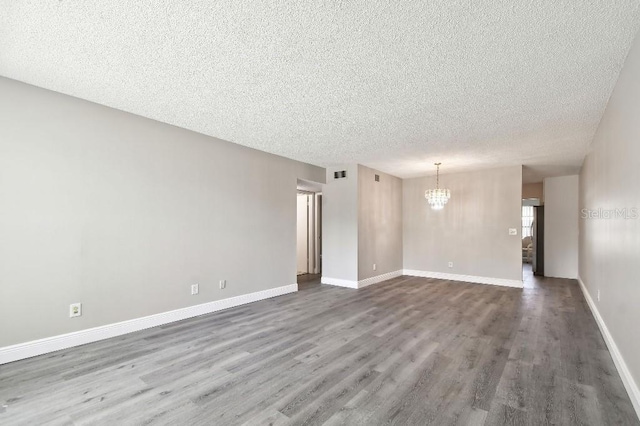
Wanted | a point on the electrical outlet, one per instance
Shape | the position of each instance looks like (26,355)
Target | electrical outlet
(223,284)
(75,310)
(374,266)
(450,264)
(195,289)
(598,295)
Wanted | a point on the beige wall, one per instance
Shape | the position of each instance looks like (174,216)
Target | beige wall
(561,227)
(340,225)
(362,225)
(472,230)
(533,190)
(123,214)
(379,223)
(610,247)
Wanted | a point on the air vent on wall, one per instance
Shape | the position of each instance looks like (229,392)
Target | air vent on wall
(377,178)
(340,175)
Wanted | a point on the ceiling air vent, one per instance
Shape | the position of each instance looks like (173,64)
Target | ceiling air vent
(340,175)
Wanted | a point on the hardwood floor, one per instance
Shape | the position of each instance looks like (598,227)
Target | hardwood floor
(407,351)
(308,280)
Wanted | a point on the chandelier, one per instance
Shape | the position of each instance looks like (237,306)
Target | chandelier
(438,197)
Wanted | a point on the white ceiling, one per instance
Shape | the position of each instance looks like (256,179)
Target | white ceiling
(392,85)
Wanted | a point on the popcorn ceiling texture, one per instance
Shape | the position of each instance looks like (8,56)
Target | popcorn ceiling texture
(392,85)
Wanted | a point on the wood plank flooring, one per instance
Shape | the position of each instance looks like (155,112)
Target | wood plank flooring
(409,351)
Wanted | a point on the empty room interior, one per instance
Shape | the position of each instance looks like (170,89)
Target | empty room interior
(338,213)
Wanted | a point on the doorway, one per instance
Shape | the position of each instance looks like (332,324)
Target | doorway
(303,251)
(532,238)
(532,227)
(308,233)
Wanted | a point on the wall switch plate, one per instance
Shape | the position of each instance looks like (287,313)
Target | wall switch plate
(223,284)
(450,264)
(513,231)
(195,289)
(374,266)
(75,310)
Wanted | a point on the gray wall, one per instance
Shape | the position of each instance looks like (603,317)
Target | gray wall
(610,248)
(123,214)
(340,225)
(561,227)
(379,223)
(472,230)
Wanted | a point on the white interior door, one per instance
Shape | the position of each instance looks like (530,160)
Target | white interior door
(303,234)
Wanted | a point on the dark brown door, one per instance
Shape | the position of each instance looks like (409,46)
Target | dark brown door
(538,240)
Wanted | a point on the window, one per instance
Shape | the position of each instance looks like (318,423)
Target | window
(527,221)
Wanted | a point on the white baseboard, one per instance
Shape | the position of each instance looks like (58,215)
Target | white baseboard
(338,282)
(627,379)
(465,278)
(362,283)
(379,278)
(64,341)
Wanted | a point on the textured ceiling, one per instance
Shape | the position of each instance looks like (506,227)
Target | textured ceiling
(391,85)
